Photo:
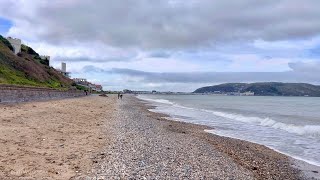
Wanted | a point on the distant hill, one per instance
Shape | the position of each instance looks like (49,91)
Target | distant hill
(265,89)
(27,68)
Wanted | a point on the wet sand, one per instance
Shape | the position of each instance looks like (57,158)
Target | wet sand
(106,138)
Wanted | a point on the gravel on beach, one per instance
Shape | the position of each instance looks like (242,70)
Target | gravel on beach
(144,145)
(106,138)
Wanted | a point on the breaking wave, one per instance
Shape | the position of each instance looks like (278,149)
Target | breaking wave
(300,141)
(268,122)
(163,101)
(301,130)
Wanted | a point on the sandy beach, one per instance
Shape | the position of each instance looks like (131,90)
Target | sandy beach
(54,139)
(106,138)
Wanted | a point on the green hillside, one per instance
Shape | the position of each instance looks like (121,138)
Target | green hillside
(27,68)
(265,89)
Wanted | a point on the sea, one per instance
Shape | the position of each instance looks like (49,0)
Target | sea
(290,125)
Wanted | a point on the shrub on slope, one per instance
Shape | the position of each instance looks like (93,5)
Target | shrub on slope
(27,69)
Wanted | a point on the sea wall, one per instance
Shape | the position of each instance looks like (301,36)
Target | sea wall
(9,93)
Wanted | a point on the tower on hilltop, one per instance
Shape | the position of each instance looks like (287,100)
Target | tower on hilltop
(16,44)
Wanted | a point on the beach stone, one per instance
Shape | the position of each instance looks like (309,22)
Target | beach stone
(143,147)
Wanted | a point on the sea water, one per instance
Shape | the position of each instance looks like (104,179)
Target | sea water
(290,125)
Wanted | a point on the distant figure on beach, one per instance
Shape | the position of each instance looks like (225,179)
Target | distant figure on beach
(121,96)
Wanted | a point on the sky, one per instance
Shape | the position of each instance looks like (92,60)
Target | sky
(172,45)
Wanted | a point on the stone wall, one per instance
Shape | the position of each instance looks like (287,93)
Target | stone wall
(10,93)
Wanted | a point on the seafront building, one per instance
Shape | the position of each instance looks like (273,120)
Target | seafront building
(99,88)
(79,80)
(248,93)
(221,93)
(91,86)
(45,57)
(16,44)
(63,70)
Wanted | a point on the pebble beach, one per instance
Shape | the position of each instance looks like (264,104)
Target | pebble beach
(106,138)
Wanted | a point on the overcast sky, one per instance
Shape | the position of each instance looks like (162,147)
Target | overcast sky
(172,45)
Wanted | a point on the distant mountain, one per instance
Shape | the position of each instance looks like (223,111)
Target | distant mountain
(265,89)
(27,68)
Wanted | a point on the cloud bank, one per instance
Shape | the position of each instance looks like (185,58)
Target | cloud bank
(173,44)
(162,24)
(189,81)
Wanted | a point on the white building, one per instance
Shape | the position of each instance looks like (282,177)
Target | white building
(248,93)
(63,70)
(16,44)
(63,67)
(99,88)
(80,80)
(44,57)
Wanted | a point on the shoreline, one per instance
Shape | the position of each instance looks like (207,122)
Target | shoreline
(294,158)
(106,138)
(307,169)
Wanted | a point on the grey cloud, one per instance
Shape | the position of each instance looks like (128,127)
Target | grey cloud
(160,54)
(93,60)
(90,69)
(210,77)
(167,23)
(305,67)
(189,81)
(221,77)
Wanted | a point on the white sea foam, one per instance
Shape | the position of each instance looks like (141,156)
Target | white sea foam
(307,129)
(297,139)
(268,122)
(163,101)
(275,149)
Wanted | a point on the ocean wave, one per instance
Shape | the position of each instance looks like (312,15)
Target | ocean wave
(163,101)
(268,122)
(313,162)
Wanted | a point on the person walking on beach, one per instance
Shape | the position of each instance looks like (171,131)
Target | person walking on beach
(118,95)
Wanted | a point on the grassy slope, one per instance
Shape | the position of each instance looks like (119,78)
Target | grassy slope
(28,69)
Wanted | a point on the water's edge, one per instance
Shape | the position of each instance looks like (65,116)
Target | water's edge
(308,168)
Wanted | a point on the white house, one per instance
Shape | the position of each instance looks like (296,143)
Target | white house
(63,70)
(45,57)
(16,44)
(248,93)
